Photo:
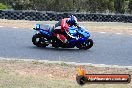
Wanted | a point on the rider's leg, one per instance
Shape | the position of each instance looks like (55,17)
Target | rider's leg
(60,35)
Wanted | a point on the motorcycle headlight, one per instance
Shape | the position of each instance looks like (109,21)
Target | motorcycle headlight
(37,26)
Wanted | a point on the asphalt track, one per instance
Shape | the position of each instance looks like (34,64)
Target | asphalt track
(109,48)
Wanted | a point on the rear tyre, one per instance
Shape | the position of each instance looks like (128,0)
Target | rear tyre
(39,40)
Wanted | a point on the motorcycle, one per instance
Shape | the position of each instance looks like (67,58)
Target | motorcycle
(44,36)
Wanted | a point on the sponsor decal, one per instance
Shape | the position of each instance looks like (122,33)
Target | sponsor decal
(83,78)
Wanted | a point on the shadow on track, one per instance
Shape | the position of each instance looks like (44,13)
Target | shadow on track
(56,49)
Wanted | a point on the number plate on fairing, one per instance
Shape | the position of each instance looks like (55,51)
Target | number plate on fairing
(35,32)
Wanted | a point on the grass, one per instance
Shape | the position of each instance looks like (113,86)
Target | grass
(17,81)
(35,74)
(37,62)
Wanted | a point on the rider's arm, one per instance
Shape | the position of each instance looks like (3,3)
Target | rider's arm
(70,35)
(64,25)
(77,25)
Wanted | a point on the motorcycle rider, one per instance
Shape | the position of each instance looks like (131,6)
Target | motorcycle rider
(62,28)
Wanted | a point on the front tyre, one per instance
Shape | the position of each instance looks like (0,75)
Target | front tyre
(39,40)
(86,45)
(89,44)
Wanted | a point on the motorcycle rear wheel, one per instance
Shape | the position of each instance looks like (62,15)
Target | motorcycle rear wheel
(39,40)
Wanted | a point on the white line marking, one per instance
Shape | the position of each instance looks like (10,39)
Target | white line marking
(1,26)
(118,33)
(102,32)
(15,27)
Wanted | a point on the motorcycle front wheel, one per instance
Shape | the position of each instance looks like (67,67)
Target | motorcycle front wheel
(86,45)
(39,40)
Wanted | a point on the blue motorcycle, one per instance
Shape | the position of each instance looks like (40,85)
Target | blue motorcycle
(44,36)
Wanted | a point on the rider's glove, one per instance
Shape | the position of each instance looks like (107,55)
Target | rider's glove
(78,27)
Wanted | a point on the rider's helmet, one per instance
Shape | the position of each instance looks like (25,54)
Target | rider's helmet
(72,20)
